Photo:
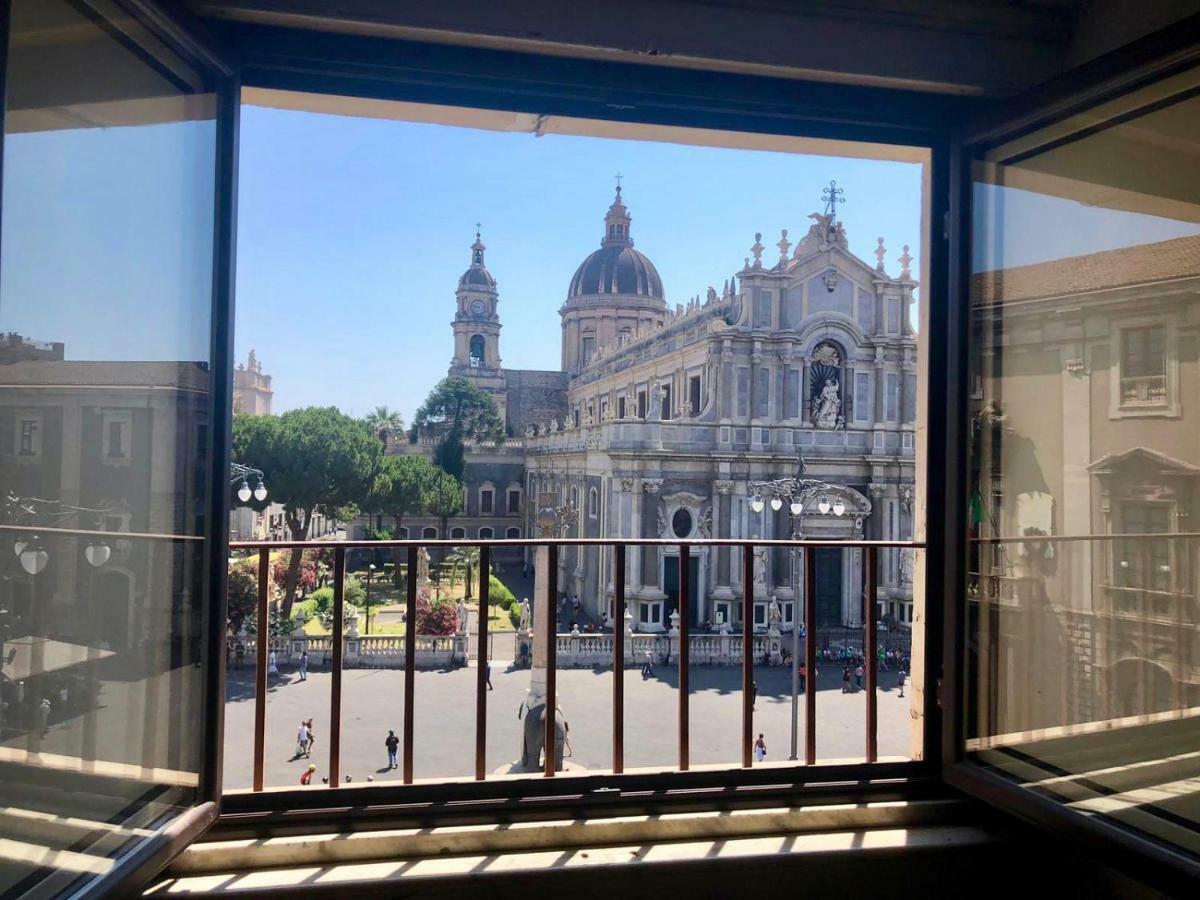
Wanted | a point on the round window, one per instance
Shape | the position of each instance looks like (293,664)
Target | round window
(681,523)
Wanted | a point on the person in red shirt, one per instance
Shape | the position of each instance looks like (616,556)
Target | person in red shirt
(306,778)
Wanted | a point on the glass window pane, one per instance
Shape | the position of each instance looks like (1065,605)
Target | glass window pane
(105,307)
(1083,643)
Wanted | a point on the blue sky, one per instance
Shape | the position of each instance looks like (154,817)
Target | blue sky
(353,233)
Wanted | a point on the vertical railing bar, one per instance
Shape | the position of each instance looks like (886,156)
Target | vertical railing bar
(619,659)
(684,647)
(260,672)
(810,658)
(870,652)
(747,654)
(335,688)
(551,625)
(481,664)
(410,661)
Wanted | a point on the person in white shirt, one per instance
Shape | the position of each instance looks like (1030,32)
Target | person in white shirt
(302,739)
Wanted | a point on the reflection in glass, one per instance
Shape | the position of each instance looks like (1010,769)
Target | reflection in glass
(105,303)
(1083,646)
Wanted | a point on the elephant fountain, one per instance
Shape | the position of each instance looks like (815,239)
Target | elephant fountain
(534,735)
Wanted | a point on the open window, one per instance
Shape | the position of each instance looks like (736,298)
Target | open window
(118,150)
(1080,648)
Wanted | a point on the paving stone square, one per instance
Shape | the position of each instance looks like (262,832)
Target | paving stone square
(444,744)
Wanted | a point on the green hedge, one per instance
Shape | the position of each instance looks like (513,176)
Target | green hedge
(499,594)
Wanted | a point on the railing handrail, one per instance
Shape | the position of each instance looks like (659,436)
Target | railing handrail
(747,646)
(1068,538)
(92,532)
(799,543)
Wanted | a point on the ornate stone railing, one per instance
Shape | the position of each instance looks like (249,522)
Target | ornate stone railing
(376,651)
(583,650)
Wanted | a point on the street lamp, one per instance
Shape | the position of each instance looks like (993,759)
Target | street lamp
(798,491)
(239,473)
(370,572)
(32,511)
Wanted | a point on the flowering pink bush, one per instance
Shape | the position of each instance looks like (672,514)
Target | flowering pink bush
(435,618)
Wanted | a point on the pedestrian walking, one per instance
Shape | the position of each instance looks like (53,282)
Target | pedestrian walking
(302,740)
(803,677)
(488,675)
(845,679)
(307,776)
(44,714)
(900,676)
(304,666)
(312,736)
(272,665)
(648,666)
(858,676)
(760,749)
(754,698)
(239,653)
(391,742)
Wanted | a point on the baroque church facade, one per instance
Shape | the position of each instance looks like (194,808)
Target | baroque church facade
(663,418)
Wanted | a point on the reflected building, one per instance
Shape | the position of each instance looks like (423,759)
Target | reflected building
(663,416)
(120,448)
(1085,426)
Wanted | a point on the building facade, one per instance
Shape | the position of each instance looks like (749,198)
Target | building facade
(663,418)
(1085,431)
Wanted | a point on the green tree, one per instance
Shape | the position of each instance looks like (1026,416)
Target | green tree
(409,479)
(445,500)
(466,559)
(385,422)
(313,460)
(243,593)
(458,411)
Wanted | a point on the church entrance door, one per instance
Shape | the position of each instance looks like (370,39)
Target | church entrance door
(828,562)
(671,588)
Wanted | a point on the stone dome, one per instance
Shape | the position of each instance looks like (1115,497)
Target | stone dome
(477,276)
(616,268)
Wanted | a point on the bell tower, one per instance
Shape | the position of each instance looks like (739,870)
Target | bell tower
(476,327)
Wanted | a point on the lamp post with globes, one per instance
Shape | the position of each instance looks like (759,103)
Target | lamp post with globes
(799,493)
(241,475)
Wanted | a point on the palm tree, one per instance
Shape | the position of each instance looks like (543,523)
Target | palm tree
(385,422)
(468,559)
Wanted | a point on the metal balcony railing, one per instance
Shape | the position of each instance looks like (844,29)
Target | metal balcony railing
(549,622)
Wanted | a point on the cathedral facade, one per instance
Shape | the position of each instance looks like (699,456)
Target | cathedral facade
(667,420)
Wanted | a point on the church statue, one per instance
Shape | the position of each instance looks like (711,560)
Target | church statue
(829,406)
(774,616)
(422,567)
(906,565)
(462,616)
(525,616)
(654,413)
(760,567)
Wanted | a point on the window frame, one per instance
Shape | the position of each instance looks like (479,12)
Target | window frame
(1119,407)
(1065,106)
(369,66)
(154,32)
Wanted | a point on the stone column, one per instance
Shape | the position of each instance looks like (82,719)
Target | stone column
(725,390)
(541,609)
(721,521)
(649,521)
(634,554)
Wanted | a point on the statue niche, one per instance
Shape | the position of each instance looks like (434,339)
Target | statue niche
(826,402)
